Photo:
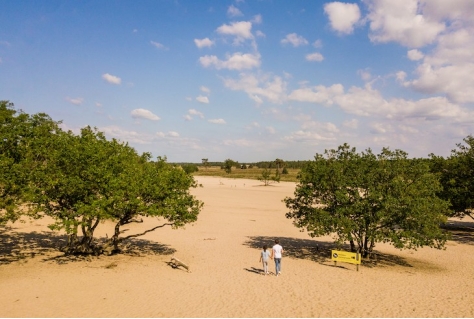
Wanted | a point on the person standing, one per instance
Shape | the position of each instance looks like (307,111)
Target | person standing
(277,252)
(264,255)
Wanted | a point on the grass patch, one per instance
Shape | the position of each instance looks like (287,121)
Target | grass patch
(249,173)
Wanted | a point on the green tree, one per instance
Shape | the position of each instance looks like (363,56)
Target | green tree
(457,178)
(205,163)
(365,198)
(72,185)
(266,177)
(25,139)
(228,164)
(280,164)
(151,189)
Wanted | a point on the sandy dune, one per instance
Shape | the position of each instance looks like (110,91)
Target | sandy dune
(222,249)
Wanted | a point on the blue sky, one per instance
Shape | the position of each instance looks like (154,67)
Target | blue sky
(246,80)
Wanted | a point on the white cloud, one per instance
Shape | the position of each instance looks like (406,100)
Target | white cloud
(202,43)
(260,86)
(240,30)
(318,57)
(353,124)
(125,135)
(75,101)
(319,94)
(342,16)
(415,55)
(202,99)
(364,75)
(270,130)
(217,121)
(112,78)
(195,113)
(257,19)
(173,134)
(144,114)
(260,34)
(294,39)
(98,104)
(400,21)
(233,11)
(448,68)
(318,44)
(158,45)
(238,61)
(205,89)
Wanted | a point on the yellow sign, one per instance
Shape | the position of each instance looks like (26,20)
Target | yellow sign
(346,257)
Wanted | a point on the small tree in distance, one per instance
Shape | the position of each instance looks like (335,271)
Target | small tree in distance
(228,165)
(267,177)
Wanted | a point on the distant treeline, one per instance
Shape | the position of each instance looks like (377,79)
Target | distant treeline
(263,164)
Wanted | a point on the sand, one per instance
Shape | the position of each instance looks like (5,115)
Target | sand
(222,249)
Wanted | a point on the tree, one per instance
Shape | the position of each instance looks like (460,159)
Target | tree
(366,198)
(25,139)
(151,189)
(279,164)
(266,177)
(73,184)
(205,162)
(228,165)
(457,178)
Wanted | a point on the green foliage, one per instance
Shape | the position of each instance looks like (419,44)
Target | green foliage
(457,178)
(284,171)
(190,168)
(365,198)
(22,147)
(267,177)
(228,164)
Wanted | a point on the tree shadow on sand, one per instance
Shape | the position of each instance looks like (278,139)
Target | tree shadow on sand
(15,247)
(462,231)
(320,251)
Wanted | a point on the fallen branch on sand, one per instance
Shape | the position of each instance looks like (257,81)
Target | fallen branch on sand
(175,263)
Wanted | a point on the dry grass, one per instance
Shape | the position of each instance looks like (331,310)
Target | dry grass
(249,173)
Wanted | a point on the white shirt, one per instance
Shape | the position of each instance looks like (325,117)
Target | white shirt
(277,250)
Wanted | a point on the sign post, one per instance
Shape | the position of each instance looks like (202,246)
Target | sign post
(346,257)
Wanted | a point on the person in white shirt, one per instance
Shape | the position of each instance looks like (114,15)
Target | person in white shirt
(277,251)
(264,256)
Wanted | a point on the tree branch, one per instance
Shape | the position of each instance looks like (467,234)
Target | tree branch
(146,231)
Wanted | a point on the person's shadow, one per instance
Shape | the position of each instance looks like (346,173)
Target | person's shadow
(257,271)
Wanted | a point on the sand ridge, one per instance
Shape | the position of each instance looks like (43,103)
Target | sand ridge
(222,248)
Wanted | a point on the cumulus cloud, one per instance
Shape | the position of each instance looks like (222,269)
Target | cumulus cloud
(272,88)
(240,30)
(294,39)
(144,114)
(217,121)
(237,61)
(414,55)
(125,135)
(202,43)
(193,112)
(233,11)
(318,57)
(353,124)
(202,99)
(400,21)
(342,16)
(75,101)
(112,78)
(173,134)
(319,94)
